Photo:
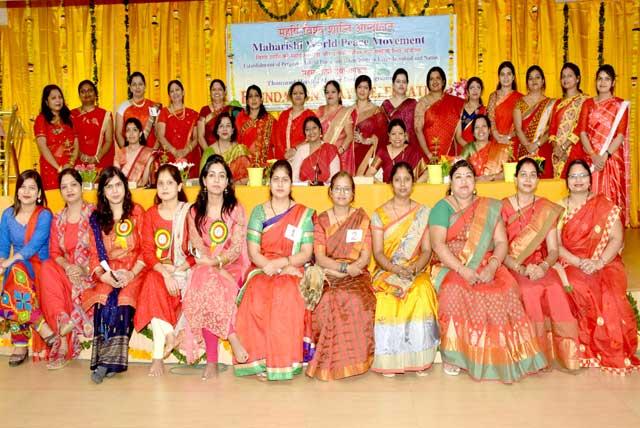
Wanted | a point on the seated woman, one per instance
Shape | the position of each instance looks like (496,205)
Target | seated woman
(67,272)
(486,156)
(342,326)
(406,327)
(591,238)
(235,155)
(116,266)
(533,249)
(165,251)
(398,150)
(135,159)
(314,159)
(24,231)
(271,311)
(484,327)
(217,233)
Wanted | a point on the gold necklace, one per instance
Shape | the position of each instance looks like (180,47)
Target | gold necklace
(138,105)
(336,217)
(173,113)
(274,211)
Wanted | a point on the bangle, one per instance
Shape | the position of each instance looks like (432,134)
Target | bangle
(496,259)
(343,267)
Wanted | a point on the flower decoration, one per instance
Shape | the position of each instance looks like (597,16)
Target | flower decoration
(88,172)
(458,89)
(183,166)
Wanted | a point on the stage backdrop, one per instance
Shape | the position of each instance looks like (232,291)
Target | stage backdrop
(66,43)
(275,55)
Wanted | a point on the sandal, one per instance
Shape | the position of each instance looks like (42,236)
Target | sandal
(16,359)
(58,364)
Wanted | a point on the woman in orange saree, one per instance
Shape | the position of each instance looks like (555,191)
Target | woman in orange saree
(591,238)
(533,250)
(135,159)
(437,116)
(603,127)
(342,326)
(399,106)
(226,145)
(472,109)
(208,115)
(531,117)
(337,127)
(315,159)
(255,128)
(484,327)
(502,102)
(564,117)
(484,155)
(271,311)
(289,129)
(145,110)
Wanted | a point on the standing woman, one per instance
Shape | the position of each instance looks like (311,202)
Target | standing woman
(165,249)
(533,249)
(406,326)
(55,136)
(502,102)
(116,266)
(437,116)
(24,244)
(342,327)
(271,311)
(603,128)
(145,110)
(135,159)
(486,156)
(564,117)
(369,126)
(337,126)
(485,329)
(94,128)
(399,106)
(209,113)
(177,132)
(591,239)
(67,272)
(315,158)
(289,130)
(217,233)
(226,145)
(255,128)
(531,117)
(472,109)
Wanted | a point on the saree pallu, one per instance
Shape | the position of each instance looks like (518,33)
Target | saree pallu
(406,112)
(374,124)
(608,335)
(60,139)
(256,135)
(406,327)
(237,157)
(179,128)
(271,311)
(135,170)
(210,115)
(545,300)
(321,159)
(440,122)
(614,181)
(91,128)
(289,132)
(564,119)
(535,120)
(342,322)
(489,159)
(484,327)
(333,132)
(501,111)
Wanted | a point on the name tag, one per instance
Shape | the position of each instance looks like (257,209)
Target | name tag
(354,235)
(293,233)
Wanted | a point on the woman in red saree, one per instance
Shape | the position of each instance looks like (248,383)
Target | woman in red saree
(531,117)
(289,129)
(472,109)
(437,116)
(177,132)
(564,117)
(24,244)
(342,326)
(591,239)
(145,110)
(533,250)
(67,272)
(271,311)
(486,157)
(255,128)
(117,267)
(337,127)
(369,126)
(603,128)
(235,155)
(165,251)
(315,159)
(55,136)
(135,159)
(209,114)
(399,106)
(484,328)
(94,128)
(502,102)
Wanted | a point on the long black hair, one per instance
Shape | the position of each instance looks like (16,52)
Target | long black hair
(25,175)
(229,200)
(177,177)
(65,113)
(262,110)
(103,212)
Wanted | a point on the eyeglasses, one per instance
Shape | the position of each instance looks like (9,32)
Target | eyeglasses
(581,175)
(343,190)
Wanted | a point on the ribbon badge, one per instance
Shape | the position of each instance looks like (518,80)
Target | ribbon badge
(123,229)
(218,233)
(162,240)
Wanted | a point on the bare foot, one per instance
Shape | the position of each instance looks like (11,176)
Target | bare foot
(239,352)
(169,344)
(157,368)
(211,370)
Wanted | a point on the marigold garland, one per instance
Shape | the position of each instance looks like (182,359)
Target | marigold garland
(284,17)
(94,42)
(127,51)
(565,33)
(601,20)
(320,10)
(355,13)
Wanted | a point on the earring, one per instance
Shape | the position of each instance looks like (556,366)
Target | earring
(39,200)
(475,192)
(226,191)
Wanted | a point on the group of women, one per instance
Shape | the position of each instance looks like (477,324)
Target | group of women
(503,289)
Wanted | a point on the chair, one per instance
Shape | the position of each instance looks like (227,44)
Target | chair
(10,148)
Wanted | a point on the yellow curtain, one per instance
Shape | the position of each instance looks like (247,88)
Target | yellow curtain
(187,40)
